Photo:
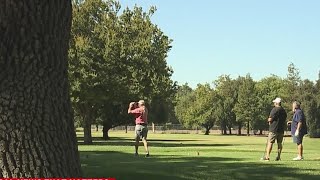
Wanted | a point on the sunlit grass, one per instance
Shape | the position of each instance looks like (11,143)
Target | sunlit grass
(195,156)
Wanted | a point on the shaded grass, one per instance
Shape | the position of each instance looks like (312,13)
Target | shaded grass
(190,156)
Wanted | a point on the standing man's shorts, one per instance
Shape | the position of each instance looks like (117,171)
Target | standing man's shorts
(297,139)
(272,137)
(141,132)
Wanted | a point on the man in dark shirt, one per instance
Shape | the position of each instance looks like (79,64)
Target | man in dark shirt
(277,121)
(298,128)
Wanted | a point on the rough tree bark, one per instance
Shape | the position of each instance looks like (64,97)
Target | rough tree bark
(37,136)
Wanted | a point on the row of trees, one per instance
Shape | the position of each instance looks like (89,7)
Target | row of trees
(115,58)
(245,102)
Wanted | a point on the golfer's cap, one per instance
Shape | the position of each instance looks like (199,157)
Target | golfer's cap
(277,100)
(141,102)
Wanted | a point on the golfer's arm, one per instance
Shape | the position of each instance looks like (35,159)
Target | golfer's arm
(129,109)
(269,119)
(299,126)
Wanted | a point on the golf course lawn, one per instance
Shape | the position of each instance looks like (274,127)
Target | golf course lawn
(195,156)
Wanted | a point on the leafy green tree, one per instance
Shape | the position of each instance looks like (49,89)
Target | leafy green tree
(292,83)
(143,53)
(267,90)
(37,136)
(310,107)
(203,107)
(197,108)
(88,69)
(246,107)
(227,90)
(183,102)
(117,58)
(314,129)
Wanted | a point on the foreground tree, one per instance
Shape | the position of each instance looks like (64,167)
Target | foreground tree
(37,137)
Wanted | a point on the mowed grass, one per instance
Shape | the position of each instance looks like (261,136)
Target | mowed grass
(195,157)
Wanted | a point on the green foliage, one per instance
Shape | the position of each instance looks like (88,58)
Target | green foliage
(243,101)
(311,107)
(246,108)
(197,108)
(117,58)
(292,83)
(184,102)
(227,90)
(267,90)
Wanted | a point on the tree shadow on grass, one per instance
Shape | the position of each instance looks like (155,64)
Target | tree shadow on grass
(153,143)
(123,166)
(100,139)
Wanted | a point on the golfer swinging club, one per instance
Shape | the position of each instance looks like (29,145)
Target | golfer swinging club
(277,121)
(141,131)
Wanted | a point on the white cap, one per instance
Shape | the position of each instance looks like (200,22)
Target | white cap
(141,102)
(277,100)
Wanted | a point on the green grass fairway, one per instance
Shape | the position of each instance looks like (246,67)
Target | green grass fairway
(196,157)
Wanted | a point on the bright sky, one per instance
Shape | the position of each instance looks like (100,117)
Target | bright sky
(236,37)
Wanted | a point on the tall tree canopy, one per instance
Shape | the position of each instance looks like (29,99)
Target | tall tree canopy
(116,58)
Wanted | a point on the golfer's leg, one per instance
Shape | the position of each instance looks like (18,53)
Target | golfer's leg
(279,149)
(137,139)
(271,140)
(136,145)
(269,148)
(280,146)
(300,147)
(300,150)
(144,139)
(145,143)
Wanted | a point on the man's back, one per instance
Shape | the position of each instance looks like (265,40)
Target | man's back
(141,115)
(299,117)
(279,116)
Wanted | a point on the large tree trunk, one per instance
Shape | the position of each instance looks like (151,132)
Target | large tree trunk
(208,126)
(87,136)
(88,115)
(207,131)
(105,135)
(37,136)
(106,127)
(223,128)
(248,128)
